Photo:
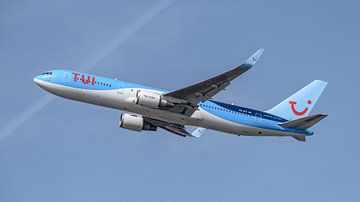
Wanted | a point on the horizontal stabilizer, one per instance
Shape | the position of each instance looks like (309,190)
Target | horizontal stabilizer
(304,123)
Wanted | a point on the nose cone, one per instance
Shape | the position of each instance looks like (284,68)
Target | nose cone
(40,82)
(37,80)
(43,80)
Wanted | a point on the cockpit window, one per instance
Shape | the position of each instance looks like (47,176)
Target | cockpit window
(47,73)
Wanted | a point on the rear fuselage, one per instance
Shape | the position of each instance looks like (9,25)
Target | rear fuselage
(121,95)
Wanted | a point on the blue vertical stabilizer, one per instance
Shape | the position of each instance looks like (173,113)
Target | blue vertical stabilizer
(301,103)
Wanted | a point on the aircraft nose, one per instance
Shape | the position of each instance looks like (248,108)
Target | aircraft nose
(42,79)
(37,80)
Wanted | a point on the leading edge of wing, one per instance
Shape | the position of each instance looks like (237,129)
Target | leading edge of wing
(204,90)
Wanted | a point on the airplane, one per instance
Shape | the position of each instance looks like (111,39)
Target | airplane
(148,108)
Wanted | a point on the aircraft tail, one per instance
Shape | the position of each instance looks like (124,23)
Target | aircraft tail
(301,103)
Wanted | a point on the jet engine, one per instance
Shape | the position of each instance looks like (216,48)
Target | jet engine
(135,122)
(151,99)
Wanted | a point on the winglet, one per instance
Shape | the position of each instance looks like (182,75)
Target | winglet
(198,132)
(254,58)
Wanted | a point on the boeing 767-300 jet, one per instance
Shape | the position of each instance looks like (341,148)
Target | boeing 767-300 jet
(151,108)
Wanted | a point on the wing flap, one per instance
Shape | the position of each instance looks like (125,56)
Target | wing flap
(176,128)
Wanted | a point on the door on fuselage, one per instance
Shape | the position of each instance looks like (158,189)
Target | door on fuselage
(66,77)
(258,118)
(120,88)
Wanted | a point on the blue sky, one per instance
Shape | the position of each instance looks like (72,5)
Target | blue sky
(69,151)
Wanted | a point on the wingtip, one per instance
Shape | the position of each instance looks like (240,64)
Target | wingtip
(258,53)
(255,57)
(198,132)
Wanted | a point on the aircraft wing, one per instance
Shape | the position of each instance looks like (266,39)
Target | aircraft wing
(176,128)
(186,99)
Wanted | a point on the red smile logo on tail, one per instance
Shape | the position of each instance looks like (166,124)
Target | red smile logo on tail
(299,113)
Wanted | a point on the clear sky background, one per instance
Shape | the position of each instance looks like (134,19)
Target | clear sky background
(70,151)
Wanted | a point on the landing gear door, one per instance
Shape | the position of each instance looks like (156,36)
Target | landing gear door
(120,88)
(66,77)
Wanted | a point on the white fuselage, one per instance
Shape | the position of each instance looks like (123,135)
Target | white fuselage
(124,99)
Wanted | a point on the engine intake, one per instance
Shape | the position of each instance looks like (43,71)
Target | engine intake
(151,99)
(135,122)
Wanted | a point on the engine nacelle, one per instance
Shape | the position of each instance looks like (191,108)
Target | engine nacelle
(151,99)
(135,122)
